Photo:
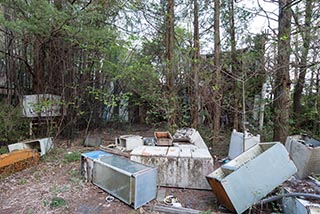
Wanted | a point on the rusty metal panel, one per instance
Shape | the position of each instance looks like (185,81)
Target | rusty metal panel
(18,160)
(252,175)
(131,182)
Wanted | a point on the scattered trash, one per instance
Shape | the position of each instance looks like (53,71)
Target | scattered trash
(109,198)
(170,199)
(163,138)
(292,204)
(42,145)
(151,141)
(86,166)
(182,166)
(129,142)
(190,135)
(305,153)
(176,210)
(246,179)
(18,160)
(131,182)
(237,144)
(92,141)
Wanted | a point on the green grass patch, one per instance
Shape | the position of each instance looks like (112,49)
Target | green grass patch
(71,157)
(57,202)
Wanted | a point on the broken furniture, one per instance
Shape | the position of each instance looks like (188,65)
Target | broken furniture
(129,142)
(243,181)
(18,160)
(42,145)
(86,165)
(163,138)
(238,144)
(133,183)
(305,153)
(182,166)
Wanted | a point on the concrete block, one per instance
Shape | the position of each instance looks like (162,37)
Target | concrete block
(305,153)
(252,175)
(182,166)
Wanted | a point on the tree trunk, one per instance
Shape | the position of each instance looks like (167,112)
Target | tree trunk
(169,57)
(282,81)
(196,58)
(217,78)
(303,64)
(234,67)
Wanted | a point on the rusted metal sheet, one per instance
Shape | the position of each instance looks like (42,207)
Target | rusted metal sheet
(163,138)
(18,160)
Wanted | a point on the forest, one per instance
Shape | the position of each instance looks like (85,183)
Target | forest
(183,63)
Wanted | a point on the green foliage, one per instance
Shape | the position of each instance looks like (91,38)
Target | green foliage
(3,150)
(57,202)
(71,157)
(13,127)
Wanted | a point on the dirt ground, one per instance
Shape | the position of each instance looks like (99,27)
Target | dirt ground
(56,186)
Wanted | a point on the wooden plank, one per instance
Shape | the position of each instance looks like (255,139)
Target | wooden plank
(114,151)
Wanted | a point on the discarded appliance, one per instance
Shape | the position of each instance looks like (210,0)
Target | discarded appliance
(43,105)
(92,141)
(133,183)
(182,166)
(305,153)
(246,179)
(18,160)
(163,138)
(86,165)
(42,145)
(129,142)
(190,135)
(236,143)
(293,205)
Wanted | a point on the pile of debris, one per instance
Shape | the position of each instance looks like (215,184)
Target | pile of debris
(24,155)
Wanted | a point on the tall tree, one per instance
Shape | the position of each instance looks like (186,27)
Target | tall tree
(170,65)
(282,81)
(306,37)
(196,58)
(217,74)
